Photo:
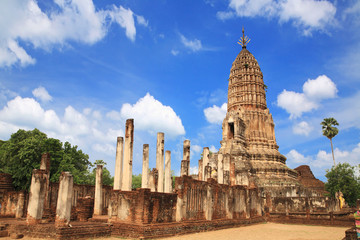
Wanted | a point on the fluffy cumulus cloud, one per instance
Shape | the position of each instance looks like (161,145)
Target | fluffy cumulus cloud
(320,88)
(215,114)
(151,115)
(42,94)
(24,23)
(323,160)
(302,128)
(194,45)
(80,128)
(308,15)
(297,157)
(314,91)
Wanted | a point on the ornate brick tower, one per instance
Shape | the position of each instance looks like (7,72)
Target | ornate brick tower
(248,144)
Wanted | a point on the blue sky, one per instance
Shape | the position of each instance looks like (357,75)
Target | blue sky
(76,69)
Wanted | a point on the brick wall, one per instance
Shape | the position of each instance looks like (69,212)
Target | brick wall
(142,206)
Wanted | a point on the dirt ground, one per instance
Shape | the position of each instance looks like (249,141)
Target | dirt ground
(264,231)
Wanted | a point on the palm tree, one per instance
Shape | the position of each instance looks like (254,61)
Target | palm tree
(329,130)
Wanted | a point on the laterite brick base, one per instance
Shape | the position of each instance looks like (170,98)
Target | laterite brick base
(147,231)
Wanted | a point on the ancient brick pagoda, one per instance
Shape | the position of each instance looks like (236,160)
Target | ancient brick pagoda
(248,140)
(246,182)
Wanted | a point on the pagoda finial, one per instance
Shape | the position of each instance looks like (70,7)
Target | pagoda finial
(244,40)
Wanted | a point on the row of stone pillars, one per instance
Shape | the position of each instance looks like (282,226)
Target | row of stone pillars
(39,198)
(158,180)
(205,170)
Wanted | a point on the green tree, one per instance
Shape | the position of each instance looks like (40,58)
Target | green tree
(329,130)
(106,177)
(22,153)
(136,181)
(343,178)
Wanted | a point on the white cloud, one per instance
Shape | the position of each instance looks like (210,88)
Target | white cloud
(314,91)
(196,148)
(215,114)
(142,21)
(79,128)
(308,15)
(247,8)
(23,21)
(194,45)
(302,128)
(323,160)
(19,53)
(295,103)
(125,18)
(42,94)
(213,149)
(151,115)
(297,157)
(194,170)
(174,52)
(320,88)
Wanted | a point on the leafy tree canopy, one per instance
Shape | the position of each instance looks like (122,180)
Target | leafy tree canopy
(328,127)
(342,178)
(22,153)
(106,177)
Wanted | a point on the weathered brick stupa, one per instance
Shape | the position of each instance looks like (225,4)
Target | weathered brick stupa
(248,147)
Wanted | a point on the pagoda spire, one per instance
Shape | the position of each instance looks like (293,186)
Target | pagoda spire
(244,40)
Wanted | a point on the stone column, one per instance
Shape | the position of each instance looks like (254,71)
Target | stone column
(118,163)
(184,168)
(98,203)
(200,170)
(65,194)
(153,180)
(45,162)
(207,173)
(227,177)
(160,161)
(220,169)
(168,182)
(36,196)
(128,155)
(205,160)
(186,155)
(208,203)
(20,205)
(45,165)
(145,167)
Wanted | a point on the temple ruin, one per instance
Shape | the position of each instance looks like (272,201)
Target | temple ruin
(246,181)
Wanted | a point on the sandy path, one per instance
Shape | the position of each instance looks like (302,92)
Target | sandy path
(262,231)
(271,231)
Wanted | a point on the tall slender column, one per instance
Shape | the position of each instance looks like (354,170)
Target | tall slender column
(153,180)
(98,203)
(220,170)
(128,155)
(145,167)
(160,161)
(207,173)
(168,182)
(205,160)
(45,165)
(64,201)
(186,154)
(184,167)
(200,170)
(118,163)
